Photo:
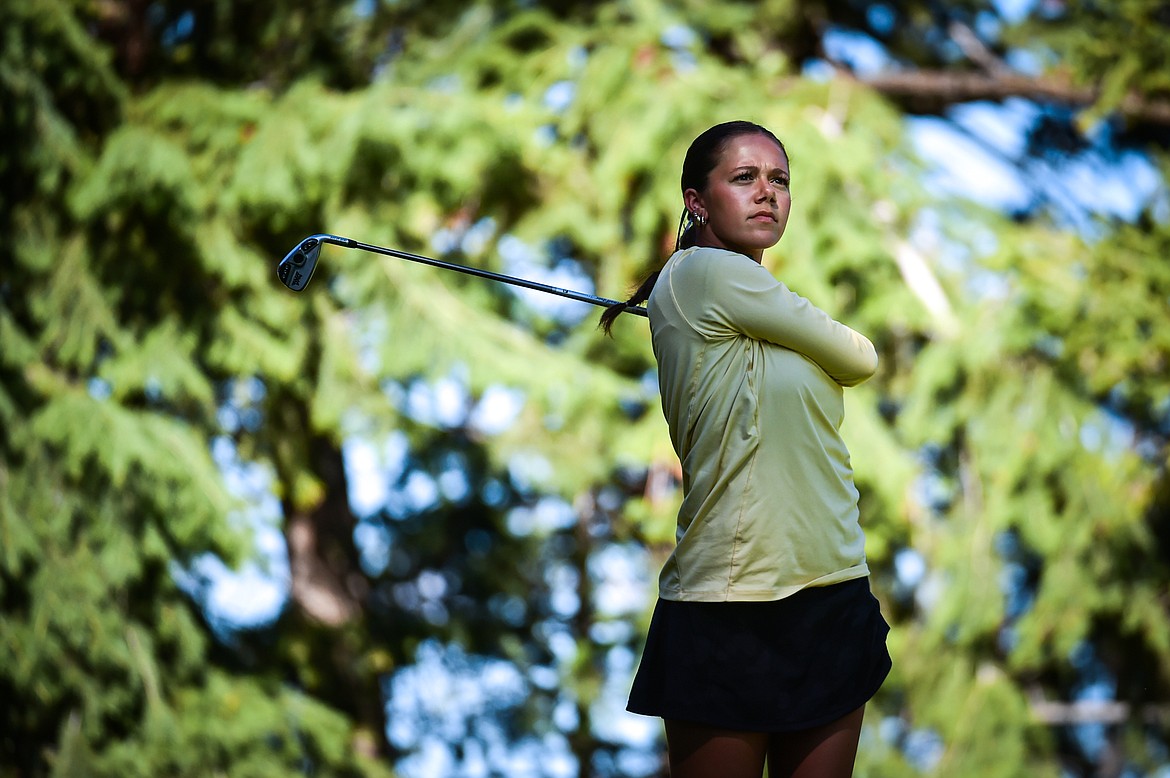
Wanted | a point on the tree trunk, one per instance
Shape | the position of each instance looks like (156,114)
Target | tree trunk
(328,638)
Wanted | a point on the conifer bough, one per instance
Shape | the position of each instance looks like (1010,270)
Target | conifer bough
(297,267)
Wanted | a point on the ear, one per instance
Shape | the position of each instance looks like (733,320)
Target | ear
(694,202)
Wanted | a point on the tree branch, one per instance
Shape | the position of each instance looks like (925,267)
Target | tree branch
(933,91)
(1095,712)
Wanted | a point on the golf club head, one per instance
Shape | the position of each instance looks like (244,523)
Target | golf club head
(296,268)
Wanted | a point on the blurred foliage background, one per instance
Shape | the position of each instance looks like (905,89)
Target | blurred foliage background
(462,494)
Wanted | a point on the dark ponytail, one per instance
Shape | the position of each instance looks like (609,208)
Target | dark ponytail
(639,297)
(702,157)
(683,239)
(688,236)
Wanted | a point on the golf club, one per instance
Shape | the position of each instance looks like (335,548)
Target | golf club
(297,267)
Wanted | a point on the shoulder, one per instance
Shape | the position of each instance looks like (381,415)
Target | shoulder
(706,256)
(704,285)
(704,265)
(708,280)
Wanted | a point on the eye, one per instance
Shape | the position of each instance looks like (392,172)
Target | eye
(744,176)
(780,180)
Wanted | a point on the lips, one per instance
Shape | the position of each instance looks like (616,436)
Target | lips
(763,214)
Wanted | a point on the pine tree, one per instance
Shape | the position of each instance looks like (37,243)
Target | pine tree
(169,154)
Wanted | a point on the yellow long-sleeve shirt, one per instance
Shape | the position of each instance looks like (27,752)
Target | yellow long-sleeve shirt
(751,378)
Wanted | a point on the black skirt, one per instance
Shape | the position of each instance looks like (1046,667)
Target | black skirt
(776,666)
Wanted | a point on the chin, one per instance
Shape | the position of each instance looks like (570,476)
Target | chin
(767,244)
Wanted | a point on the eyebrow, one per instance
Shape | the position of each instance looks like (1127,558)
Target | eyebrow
(754,168)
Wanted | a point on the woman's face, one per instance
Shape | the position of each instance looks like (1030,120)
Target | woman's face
(746,201)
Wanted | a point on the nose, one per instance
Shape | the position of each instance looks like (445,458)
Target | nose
(765,192)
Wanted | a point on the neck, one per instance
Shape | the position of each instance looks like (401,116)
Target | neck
(708,239)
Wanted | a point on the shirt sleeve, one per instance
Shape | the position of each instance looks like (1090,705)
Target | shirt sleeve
(746,299)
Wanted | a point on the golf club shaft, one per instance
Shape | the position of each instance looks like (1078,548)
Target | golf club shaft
(475,271)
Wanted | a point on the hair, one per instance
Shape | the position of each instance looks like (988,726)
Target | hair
(701,158)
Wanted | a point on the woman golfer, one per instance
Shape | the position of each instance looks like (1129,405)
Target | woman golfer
(766,642)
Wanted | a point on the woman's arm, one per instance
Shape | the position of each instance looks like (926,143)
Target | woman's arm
(747,299)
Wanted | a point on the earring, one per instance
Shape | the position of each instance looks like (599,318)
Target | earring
(699,218)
